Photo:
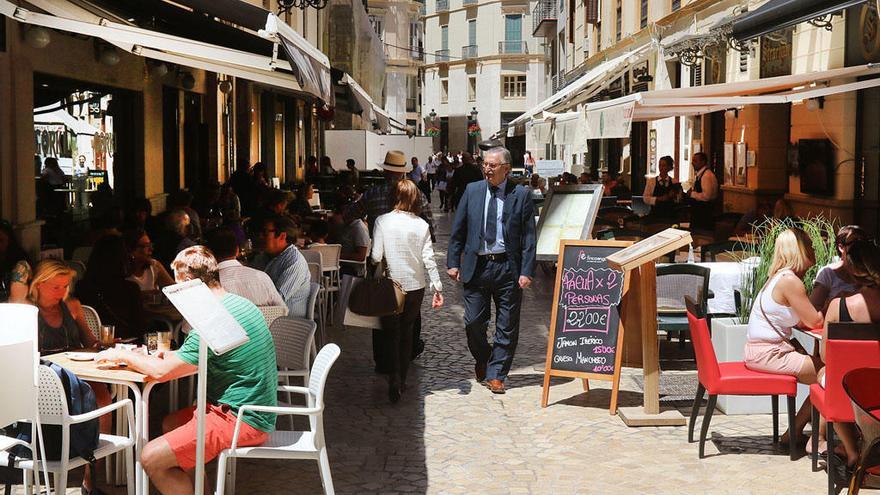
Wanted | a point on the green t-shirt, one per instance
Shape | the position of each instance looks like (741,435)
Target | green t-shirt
(246,375)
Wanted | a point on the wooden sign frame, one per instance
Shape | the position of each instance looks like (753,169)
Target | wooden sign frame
(649,249)
(585,376)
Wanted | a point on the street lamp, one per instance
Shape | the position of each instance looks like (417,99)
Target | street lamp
(474,113)
(433,114)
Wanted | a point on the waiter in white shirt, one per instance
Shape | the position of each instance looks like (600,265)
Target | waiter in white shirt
(703,194)
(660,191)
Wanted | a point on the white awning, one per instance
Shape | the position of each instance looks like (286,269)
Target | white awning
(592,77)
(159,46)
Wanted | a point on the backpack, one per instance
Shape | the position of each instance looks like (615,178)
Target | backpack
(83,436)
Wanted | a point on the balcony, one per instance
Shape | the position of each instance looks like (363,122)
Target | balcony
(442,6)
(544,19)
(512,47)
(416,53)
(469,51)
(441,56)
(557,81)
(468,3)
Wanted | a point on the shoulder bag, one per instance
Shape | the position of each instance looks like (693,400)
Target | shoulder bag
(377,295)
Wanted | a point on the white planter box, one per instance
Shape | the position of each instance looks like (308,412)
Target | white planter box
(729,340)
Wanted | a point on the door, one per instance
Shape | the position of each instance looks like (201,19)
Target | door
(513,34)
(171,138)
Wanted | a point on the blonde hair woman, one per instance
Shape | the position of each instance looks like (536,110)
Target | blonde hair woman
(781,305)
(62,324)
(403,239)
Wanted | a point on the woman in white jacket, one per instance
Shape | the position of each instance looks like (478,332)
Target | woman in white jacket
(403,239)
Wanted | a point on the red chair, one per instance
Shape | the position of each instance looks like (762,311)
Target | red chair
(849,346)
(732,379)
(861,387)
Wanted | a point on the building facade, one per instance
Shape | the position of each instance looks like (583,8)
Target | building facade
(483,67)
(609,50)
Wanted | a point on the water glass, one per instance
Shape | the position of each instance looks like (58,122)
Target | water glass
(108,335)
(152,339)
(163,341)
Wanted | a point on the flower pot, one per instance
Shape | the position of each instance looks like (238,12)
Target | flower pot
(729,339)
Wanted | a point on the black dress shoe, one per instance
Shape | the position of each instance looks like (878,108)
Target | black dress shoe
(480,371)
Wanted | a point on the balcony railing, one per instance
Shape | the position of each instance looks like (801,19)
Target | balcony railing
(544,16)
(557,81)
(442,5)
(469,2)
(512,47)
(469,51)
(441,56)
(416,53)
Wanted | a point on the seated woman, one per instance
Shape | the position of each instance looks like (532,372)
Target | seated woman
(835,280)
(781,305)
(104,287)
(61,326)
(144,270)
(15,270)
(863,265)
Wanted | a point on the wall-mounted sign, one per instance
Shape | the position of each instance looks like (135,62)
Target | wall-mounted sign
(776,53)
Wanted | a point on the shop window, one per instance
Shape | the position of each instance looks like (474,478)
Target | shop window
(472,88)
(514,86)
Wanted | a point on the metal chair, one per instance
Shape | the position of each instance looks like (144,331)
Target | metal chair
(674,283)
(861,387)
(289,444)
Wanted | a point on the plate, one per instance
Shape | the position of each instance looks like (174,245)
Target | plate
(80,356)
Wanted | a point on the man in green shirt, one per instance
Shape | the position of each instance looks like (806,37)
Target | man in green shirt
(246,375)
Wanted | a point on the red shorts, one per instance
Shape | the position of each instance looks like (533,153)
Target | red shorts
(219,429)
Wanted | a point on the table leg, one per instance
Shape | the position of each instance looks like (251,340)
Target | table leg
(143,482)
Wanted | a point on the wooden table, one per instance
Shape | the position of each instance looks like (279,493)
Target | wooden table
(140,385)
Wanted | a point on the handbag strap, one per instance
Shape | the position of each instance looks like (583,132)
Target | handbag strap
(766,318)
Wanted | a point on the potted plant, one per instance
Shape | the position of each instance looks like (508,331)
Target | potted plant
(432,131)
(729,334)
(474,130)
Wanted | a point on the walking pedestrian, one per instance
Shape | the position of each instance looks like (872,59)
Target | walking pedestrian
(492,252)
(403,240)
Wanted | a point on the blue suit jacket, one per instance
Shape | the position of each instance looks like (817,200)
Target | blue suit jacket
(466,238)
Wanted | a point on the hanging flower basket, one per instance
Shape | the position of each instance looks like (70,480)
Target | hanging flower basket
(432,131)
(474,130)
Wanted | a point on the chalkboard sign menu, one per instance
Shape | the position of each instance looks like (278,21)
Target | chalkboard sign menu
(585,330)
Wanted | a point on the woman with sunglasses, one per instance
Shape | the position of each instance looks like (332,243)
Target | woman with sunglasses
(835,280)
(144,270)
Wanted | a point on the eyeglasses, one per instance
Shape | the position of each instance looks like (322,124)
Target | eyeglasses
(493,165)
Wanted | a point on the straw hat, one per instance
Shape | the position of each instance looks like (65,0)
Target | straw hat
(395,161)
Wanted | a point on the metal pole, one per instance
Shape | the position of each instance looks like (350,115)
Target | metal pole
(200,416)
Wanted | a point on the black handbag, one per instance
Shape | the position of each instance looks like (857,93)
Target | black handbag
(376,295)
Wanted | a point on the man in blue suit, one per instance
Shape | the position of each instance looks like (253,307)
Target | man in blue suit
(492,251)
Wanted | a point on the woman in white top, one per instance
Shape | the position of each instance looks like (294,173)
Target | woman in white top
(781,305)
(403,239)
(145,271)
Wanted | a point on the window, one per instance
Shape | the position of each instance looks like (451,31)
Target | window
(472,88)
(676,4)
(472,32)
(513,28)
(619,20)
(412,93)
(514,86)
(444,91)
(415,39)
(598,37)
(444,37)
(376,22)
(643,21)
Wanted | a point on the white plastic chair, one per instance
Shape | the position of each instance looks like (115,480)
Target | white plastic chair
(330,269)
(294,343)
(290,444)
(93,320)
(52,405)
(314,290)
(271,313)
(317,278)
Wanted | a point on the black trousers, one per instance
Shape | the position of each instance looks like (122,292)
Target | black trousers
(398,336)
(492,281)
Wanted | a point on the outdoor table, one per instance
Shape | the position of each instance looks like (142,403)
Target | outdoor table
(140,386)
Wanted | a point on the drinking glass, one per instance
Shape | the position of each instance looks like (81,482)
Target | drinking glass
(108,335)
(152,342)
(163,341)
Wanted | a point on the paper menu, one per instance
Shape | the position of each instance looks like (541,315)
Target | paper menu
(204,311)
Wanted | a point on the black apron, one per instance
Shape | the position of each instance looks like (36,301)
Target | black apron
(702,212)
(663,209)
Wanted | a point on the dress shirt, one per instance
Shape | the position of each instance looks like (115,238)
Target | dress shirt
(709,184)
(498,246)
(253,285)
(404,241)
(290,273)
